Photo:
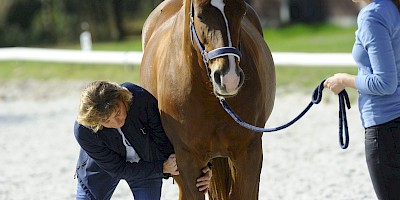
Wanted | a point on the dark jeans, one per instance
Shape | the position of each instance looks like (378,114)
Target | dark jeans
(382,150)
(141,189)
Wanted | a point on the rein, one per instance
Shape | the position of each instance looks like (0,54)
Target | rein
(315,99)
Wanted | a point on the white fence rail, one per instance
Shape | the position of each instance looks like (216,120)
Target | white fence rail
(70,56)
(132,57)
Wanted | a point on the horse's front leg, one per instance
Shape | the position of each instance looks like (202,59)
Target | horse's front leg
(189,166)
(247,163)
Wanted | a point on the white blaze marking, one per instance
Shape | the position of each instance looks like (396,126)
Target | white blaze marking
(233,82)
(220,5)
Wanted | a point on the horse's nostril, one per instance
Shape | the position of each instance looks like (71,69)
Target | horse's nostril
(217,77)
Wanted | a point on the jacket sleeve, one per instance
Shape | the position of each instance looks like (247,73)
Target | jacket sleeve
(111,162)
(375,36)
(157,132)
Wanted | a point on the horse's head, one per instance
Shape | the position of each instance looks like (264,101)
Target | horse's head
(215,29)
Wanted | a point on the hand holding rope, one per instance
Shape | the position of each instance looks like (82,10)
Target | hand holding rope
(316,99)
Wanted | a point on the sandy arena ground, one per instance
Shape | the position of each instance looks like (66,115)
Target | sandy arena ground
(304,162)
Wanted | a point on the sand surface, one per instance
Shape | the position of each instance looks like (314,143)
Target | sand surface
(38,151)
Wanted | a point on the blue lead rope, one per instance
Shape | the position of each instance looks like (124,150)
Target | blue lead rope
(316,98)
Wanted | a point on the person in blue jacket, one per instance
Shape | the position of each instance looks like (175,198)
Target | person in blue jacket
(377,53)
(121,137)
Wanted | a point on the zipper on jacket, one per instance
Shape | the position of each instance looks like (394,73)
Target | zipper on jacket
(143,130)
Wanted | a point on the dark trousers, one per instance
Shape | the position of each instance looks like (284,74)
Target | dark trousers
(382,150)
(149,189)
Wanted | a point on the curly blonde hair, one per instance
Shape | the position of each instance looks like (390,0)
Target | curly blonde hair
(99,100)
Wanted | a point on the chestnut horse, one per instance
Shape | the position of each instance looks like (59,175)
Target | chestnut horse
(176,36)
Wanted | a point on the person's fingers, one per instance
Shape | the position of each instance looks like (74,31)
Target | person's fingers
(171,162)
(171,159)
(200,179)
(203,178)
(173,168)
(203,188)
(206,169)
(175,173)
(202,183)
(209,173)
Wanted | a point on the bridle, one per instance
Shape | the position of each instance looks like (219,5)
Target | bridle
(216,53)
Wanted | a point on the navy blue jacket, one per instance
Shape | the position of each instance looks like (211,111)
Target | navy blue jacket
(102,158)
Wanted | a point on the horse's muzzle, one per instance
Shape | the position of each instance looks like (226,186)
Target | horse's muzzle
(227,85)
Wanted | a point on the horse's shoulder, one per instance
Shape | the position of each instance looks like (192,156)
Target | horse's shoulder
(163,12)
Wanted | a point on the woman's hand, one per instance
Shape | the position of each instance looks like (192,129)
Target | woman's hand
(339,82)
(170,167)
(203,183)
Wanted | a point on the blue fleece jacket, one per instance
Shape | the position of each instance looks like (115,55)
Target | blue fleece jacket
(377,53)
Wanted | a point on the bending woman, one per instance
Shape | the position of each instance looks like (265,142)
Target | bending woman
(121,137)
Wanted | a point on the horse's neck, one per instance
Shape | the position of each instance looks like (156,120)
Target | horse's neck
(186,20)
(187,48)
(191,58)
